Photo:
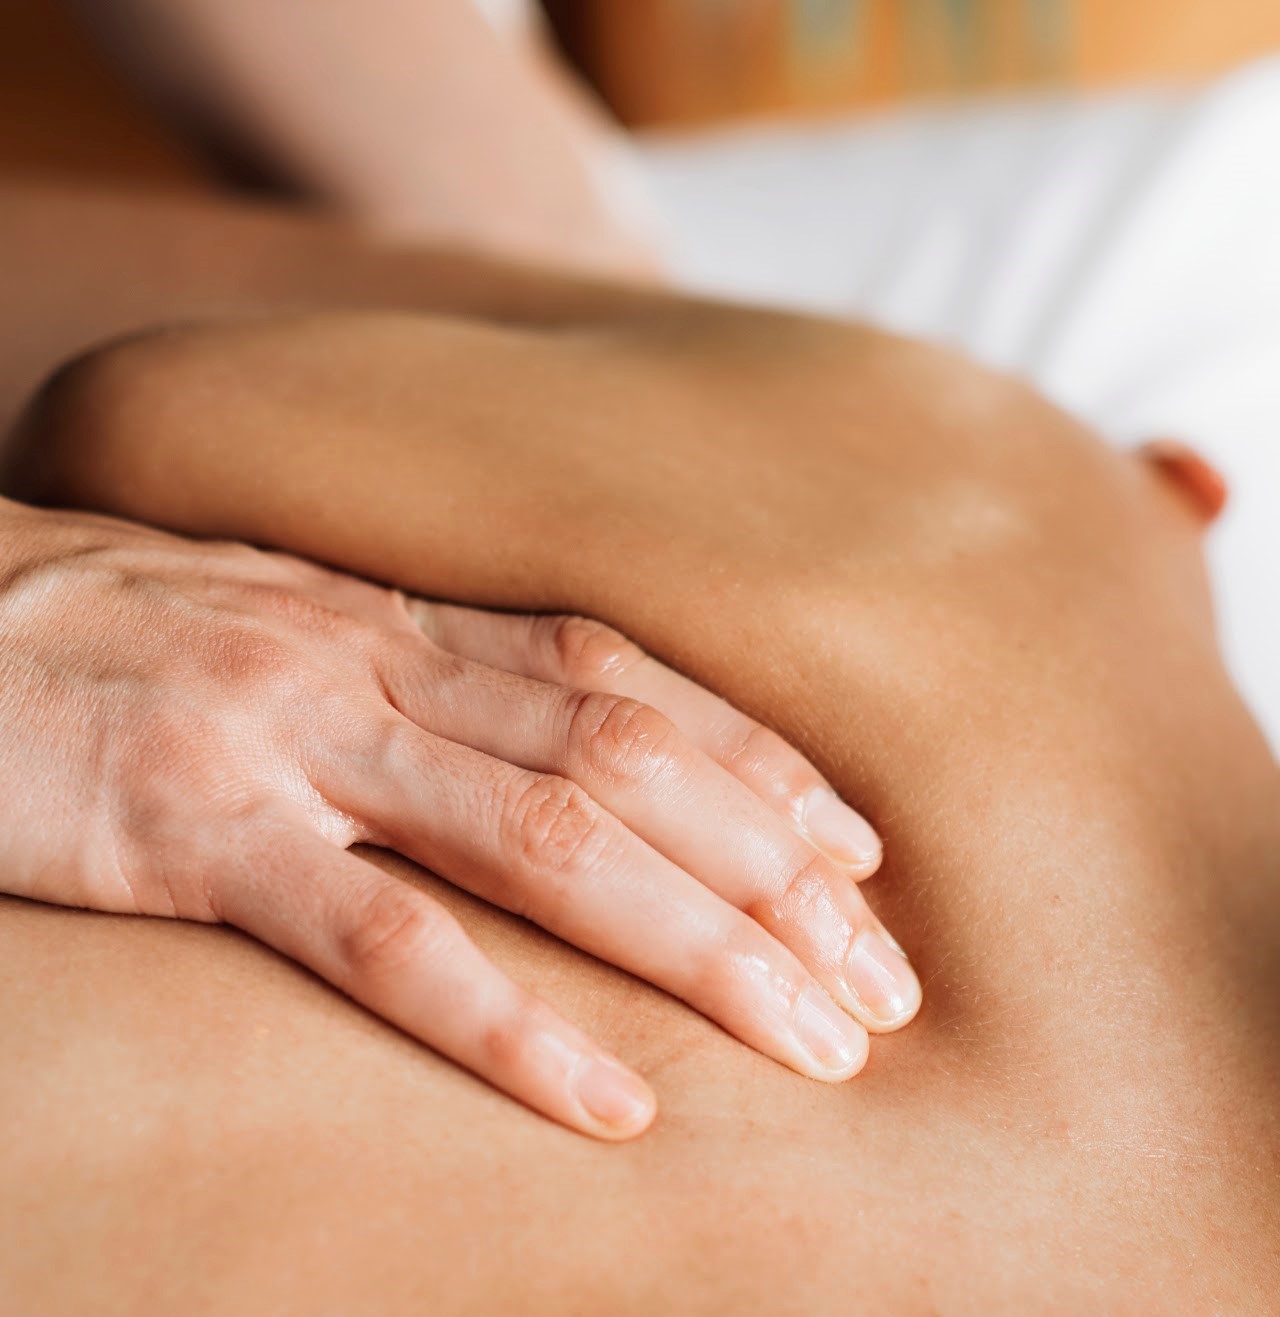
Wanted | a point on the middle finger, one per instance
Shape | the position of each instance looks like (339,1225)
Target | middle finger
(635,763)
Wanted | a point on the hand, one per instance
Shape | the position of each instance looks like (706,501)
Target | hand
(201,730)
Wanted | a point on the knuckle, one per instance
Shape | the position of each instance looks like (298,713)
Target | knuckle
(256,670)
(422,681)
(286,605)
(554,827)
(250,655)
(393,928)
(512,1044)
(620,740)
(773,770)
(725,971)
(421,612)
(588,652)
(761,756)
(396,752)
(448,672)
(755,749)
(798,894)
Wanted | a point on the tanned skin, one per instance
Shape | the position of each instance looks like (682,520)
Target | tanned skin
(986,628)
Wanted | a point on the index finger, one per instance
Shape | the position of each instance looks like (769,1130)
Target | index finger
(580,652)
(399,953)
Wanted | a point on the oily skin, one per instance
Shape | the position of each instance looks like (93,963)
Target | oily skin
(76,267)
(1087,1155)
(793,477)
(201,731)
(978,621)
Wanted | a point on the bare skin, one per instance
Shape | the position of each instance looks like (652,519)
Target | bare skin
(202,731)
(977,620)
(78,267)
(410,116)
(210,727)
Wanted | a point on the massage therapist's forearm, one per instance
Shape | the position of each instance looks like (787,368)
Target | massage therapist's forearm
(412,115)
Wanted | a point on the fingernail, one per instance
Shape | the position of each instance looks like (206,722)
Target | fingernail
(835,1041)
(839,831)
(613,1096)
(882,980)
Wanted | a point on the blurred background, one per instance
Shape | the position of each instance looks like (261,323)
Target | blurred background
(1083,192)
(667,63)
(694,61)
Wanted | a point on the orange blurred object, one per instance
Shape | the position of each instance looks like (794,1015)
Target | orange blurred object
(689,61)
(65,115)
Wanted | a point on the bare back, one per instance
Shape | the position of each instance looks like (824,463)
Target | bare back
(1006,661)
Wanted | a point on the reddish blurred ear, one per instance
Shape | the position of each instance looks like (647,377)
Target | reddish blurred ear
(1201,484)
